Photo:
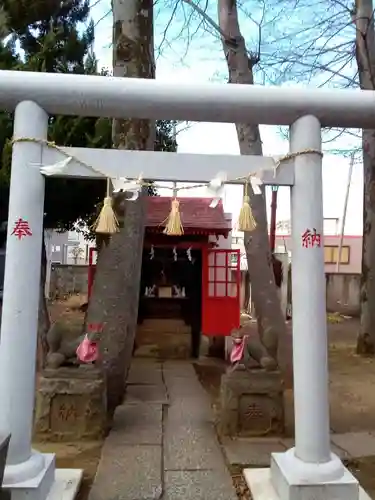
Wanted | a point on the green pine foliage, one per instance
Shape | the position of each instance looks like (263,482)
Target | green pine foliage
(57,37)
(165,136)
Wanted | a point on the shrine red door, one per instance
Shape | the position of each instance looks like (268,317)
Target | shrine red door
(221,291)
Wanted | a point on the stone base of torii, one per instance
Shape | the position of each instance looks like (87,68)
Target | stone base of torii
(307,471)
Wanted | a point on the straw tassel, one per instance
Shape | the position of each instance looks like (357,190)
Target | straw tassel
(174,224)
(107,222)
(246,221)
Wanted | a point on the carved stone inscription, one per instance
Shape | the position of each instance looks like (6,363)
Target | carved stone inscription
(258,415)
(66,411)
(251,404)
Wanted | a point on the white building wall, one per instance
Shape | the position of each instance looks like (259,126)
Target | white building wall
(224,243)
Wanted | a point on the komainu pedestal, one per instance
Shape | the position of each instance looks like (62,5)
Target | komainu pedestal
(251,403)
(71,405)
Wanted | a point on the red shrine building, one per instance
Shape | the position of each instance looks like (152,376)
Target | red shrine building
(190,284)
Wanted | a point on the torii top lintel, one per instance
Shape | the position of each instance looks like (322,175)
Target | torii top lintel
(136,98)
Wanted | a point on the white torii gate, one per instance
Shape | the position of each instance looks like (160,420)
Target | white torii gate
(307,471)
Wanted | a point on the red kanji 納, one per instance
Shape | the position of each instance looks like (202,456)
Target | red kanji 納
(311,239)
(21,229)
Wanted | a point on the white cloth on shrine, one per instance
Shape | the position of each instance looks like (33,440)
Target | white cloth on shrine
(58,168)
(132,186)
(255,184)
(215,188)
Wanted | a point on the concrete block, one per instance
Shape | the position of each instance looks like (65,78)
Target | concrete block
(251,404)
(261,487)
(289,485)
(71,405)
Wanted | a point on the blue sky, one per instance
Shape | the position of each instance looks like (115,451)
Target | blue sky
(204,62)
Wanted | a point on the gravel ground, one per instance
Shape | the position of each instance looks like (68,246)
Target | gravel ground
(242,490)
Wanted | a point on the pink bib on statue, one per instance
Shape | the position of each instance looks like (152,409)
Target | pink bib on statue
(238,350)
(87,351)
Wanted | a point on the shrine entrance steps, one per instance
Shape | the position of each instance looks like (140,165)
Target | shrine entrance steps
(163,443)
(164,339)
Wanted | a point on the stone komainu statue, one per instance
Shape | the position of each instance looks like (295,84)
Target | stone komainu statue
(246,349)
(62,350)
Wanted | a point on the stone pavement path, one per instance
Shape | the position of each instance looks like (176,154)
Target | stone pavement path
(256,452)
(163,443)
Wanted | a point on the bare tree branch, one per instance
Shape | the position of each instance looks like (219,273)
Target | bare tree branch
(205,16)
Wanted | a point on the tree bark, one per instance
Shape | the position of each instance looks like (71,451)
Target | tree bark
(117,282)
(271,323)
(365,55)
(44,322)
(247,304)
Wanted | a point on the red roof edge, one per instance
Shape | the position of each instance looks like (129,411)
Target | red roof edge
(196,215)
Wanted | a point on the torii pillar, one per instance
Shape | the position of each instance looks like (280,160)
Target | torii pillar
(29,475)
(309,470)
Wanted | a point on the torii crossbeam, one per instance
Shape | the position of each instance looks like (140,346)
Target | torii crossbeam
(309,470)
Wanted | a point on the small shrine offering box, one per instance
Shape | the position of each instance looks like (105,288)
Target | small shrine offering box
(165,292)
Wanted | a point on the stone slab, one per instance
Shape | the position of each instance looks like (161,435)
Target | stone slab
(356,444)
(198,485)
(255,452)
(146,394)
(261,488)
(137,424)
(190,409)
(145,373)
(184,387)
(191,447)
(178,369)
(146,362)
(172,379)
(128,473)
(337,450)
(66,485)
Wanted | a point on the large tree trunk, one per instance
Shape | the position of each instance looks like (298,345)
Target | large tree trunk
(365,55)
(271,323)
(117,282)
(133,57)
(114,300)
